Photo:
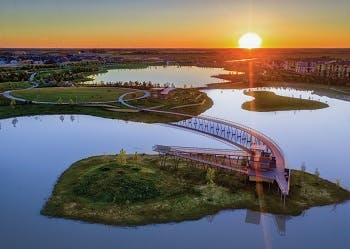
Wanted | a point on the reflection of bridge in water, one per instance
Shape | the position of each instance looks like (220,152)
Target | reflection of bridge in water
(260,157)
(253,217)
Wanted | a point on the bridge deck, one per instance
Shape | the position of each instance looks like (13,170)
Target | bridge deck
(193,150)
(196,154)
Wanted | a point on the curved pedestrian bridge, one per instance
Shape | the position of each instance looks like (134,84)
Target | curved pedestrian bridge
(260,157)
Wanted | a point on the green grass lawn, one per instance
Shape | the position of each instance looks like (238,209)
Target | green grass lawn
(6,86)
(265,101)
(7,111)
(69,94)
(101,189)
(178,97)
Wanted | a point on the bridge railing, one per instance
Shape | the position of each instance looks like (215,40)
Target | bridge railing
(270,140)
(237,125)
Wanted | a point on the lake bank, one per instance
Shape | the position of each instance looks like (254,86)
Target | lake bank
(138,191)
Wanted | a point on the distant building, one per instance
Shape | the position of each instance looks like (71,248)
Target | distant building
(323,67)
(340,69)
(305,66)
(13,62)
(162,92)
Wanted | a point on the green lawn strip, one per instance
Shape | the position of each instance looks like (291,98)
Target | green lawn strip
(134,95)
(265,101)
(178,97)
(66,95)
(6,86)
(100,189)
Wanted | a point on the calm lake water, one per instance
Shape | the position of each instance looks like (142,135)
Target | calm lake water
(180,76)
(36,150)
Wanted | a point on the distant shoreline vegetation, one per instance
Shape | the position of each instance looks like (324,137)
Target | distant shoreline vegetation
(266,101)
(129,190)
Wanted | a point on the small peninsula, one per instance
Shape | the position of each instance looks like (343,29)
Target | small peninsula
(266,101)
(134,190)
(103,102)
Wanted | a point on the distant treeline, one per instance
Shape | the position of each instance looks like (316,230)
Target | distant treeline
(129,84)
(11,75)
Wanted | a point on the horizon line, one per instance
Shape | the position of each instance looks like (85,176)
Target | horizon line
(159,48)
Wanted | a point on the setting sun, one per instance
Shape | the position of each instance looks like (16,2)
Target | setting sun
(250,40)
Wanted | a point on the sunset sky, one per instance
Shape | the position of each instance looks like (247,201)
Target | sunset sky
(168,23)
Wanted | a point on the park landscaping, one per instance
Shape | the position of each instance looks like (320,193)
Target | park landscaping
(187,101)
(66,101)
(266,101)
(134,190)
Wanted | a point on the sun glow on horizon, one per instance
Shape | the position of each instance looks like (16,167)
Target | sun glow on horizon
(250,40)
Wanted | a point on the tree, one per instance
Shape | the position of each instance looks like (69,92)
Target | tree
(59,101)
(136,158)
(122,157)
(210,177)
(317,173)
(105,159)
(13,103)
(337,182)
(303,167)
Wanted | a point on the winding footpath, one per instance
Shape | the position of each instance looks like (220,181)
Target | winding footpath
(7,94)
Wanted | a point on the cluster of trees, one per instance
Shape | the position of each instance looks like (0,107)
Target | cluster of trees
(39,66)
(122,157)
(69,73)
(11,75)
(84,67)
(130,84)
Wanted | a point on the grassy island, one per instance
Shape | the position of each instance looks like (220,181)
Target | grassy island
(187,101)
(265,101)
(136,191)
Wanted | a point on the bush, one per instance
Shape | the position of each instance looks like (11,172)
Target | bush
(121,187)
